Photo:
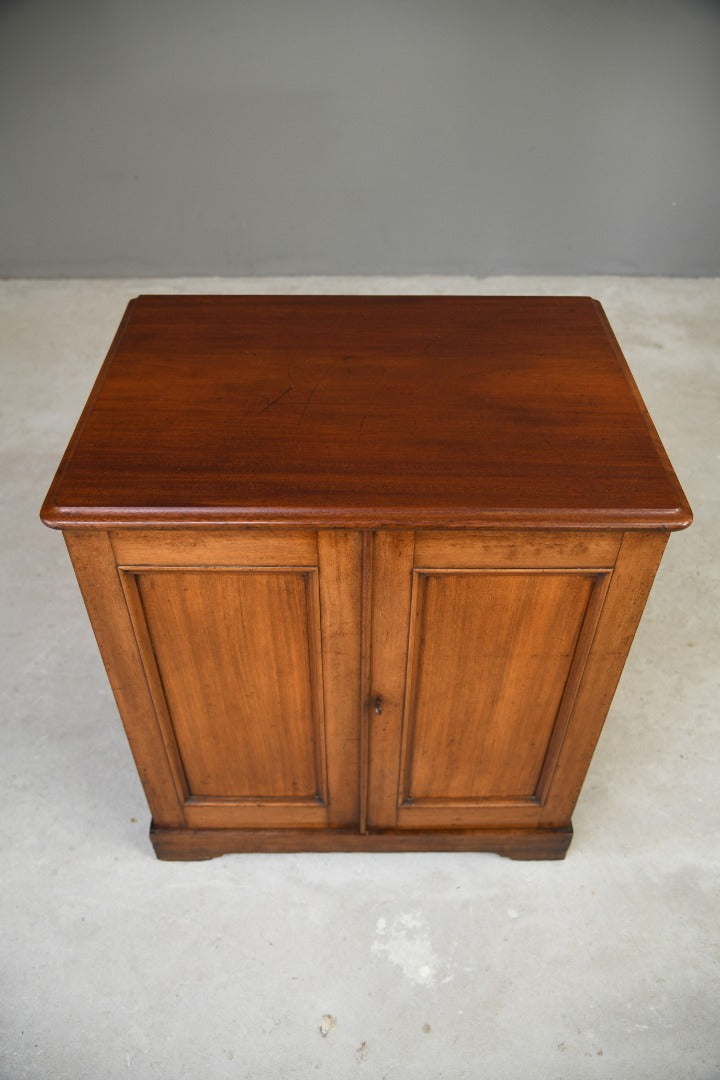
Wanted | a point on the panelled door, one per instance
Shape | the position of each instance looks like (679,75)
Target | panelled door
(246,647)
(479,645)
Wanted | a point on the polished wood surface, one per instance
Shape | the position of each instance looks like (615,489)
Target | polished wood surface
(367,412)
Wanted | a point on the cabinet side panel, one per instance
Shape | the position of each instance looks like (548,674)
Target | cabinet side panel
(635,569)
(94,563)
(339,556)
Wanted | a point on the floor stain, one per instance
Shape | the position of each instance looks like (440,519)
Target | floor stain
(408,946)
(327,1023)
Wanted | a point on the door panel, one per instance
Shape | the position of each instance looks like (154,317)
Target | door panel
(494,656)
(255,689)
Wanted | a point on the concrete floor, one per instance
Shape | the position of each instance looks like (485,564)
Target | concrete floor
(432,965)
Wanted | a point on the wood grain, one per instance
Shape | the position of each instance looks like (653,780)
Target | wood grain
(94,562)
(234,656)
(340,606)
(391,595)
(215,547)
(543,548)
(365,412)
(491,659)
(369,704)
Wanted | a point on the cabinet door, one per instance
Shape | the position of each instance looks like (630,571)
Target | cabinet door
(481,644)
(236,655)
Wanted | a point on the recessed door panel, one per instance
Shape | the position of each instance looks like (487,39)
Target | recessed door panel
(234,656)
(490,658)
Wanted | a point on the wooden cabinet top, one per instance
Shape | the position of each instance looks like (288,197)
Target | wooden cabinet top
(365,412)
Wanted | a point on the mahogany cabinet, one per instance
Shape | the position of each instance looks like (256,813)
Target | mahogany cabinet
(364,572)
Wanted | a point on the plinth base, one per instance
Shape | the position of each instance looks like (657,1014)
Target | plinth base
(193,844)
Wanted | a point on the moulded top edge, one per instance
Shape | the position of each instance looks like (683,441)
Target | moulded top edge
(362,518)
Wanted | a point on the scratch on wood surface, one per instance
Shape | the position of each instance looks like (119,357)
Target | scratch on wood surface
(275,400)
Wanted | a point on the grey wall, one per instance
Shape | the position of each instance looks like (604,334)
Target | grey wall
(359,136)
